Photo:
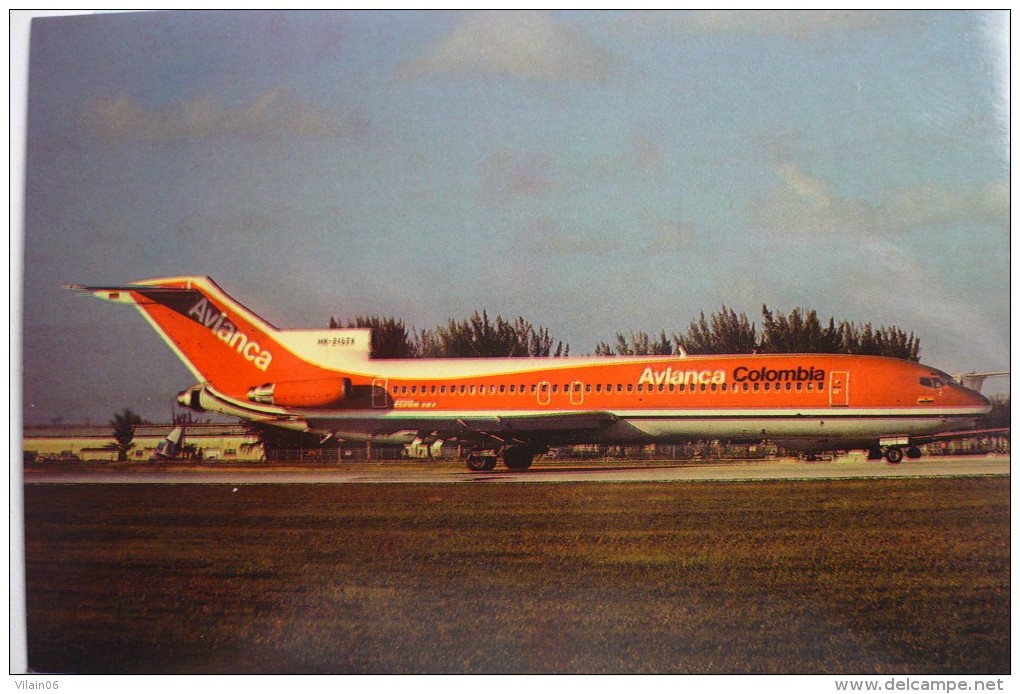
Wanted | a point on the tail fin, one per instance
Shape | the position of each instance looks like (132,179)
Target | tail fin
(225,344)
(170,447)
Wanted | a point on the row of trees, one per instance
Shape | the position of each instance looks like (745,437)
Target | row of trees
(727,332)
(723,332)
(477,336)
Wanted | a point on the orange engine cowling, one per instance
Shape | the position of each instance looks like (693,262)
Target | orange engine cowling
(317,393)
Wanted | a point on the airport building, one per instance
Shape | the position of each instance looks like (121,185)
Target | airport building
(95,442)
(233,442)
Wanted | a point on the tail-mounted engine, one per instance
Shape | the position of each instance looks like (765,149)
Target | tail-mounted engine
(316,393)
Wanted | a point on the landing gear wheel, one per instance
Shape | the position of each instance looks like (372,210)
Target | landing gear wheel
(894,455)
(518,457)
(478,462)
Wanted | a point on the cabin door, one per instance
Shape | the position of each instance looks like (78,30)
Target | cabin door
(839,388)
(576,393)
(544,394)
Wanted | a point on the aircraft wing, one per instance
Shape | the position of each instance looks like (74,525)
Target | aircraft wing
(964,434)
(482,428)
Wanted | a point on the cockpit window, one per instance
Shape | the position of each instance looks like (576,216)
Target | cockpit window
(932,382)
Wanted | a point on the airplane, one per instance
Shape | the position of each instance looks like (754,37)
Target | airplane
(975,380)
(171,446)
(324,381)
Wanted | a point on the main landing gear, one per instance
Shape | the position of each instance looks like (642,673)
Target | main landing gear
(481,461)
(514,457)
(893,454)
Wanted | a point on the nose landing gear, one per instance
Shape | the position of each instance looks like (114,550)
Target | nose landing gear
(894,454)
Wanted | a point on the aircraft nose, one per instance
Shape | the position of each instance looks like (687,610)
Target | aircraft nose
(976,399)
(984,402)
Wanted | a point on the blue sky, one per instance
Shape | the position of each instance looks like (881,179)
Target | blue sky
(592,172)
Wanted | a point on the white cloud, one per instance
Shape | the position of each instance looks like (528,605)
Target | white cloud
(512,174)
(928,303)
(796,24)
(671,236)
(545,236)
(121,119)
(892,279)
(523,45)
(805,205)
(640,155)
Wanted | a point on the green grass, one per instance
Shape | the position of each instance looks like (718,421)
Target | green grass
(869,576)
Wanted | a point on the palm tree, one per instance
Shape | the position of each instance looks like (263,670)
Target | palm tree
(124,424)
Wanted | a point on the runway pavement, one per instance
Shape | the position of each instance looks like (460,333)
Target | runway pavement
(425,472)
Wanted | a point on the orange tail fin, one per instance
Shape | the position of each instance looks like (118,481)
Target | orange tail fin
(225,344)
